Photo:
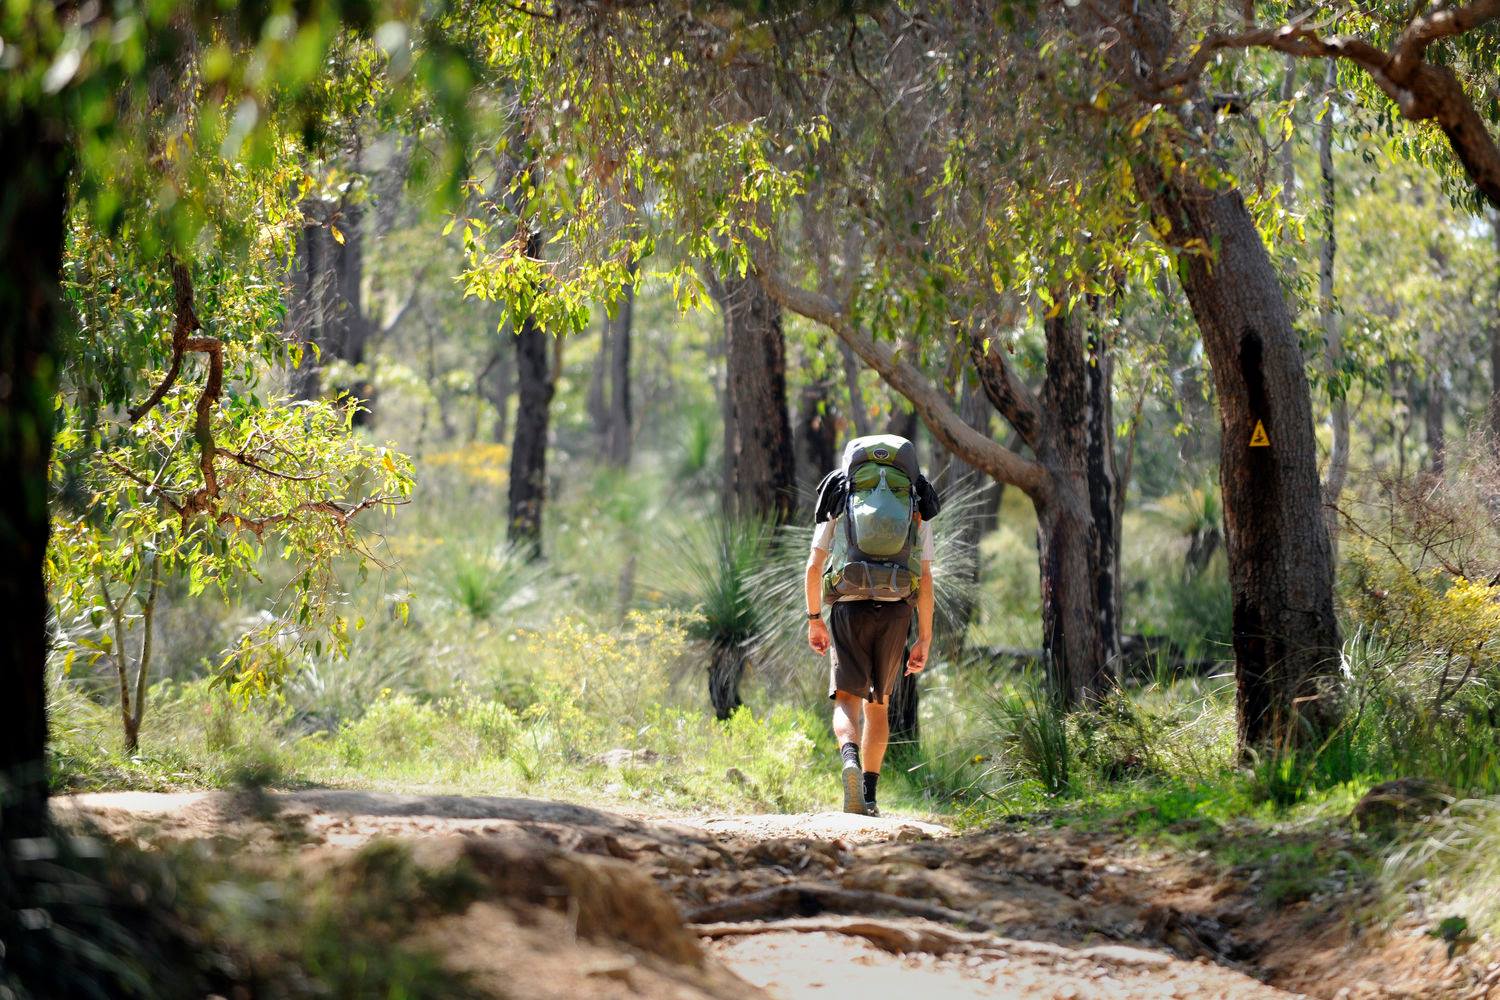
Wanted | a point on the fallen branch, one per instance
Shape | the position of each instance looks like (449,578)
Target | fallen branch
(808,899)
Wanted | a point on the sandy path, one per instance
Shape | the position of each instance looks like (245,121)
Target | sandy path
(1060,923)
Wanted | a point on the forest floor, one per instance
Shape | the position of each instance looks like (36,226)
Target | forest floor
(588,902)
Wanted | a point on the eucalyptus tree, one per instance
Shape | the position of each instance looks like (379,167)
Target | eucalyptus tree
(957,155)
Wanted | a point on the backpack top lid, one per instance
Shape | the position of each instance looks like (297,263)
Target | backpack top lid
(887,449)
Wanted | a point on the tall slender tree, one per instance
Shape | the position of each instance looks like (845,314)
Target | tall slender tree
(760,475)
(535,385)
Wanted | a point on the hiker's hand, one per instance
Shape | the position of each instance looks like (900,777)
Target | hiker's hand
(817,636)
(918,656)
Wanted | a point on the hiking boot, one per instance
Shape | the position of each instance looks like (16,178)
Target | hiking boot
(871,809)
(854,791)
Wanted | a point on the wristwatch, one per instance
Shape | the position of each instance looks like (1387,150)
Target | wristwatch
(814,614)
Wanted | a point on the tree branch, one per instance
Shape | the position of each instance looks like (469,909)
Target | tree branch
(1421,91)
(183,326)
(931,403)
(143,666)
(1011,397)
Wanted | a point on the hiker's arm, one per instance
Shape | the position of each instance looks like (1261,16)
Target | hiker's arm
(817,630)
(918,658)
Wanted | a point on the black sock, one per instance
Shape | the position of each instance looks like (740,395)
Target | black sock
(850,753)
(871,778)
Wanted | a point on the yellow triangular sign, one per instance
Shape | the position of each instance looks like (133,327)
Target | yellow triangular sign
(1258,437)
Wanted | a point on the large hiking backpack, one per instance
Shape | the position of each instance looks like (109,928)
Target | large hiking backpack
(875,494)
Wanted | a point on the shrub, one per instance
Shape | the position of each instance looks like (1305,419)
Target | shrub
(1034,734)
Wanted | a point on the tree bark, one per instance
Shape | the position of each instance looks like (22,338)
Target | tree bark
(1286,637)
(528,457)
(1076,538)
(33,210)
(760,468)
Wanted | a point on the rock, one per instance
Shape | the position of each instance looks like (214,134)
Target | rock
(1401,801)
(623,756)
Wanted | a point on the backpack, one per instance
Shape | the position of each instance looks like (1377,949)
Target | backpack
(877,492)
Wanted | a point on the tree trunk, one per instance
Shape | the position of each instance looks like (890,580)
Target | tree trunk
(1433,414)
(493,385)
(859,415)
(760,468)
(1286,638)
(596,400)
(33,210)
(1333,342)
(528,457)
(724,673)
(620,432)
(903,423)
(1075,548)
(817,432)
(326,302)
(1104,485)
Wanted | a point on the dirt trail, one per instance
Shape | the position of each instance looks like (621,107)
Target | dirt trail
(595,903)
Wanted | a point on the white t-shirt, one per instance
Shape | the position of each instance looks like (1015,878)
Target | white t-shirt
(823,537)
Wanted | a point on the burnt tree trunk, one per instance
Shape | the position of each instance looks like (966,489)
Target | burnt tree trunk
(528,457)
(760,475)
(725,671)
(33,210)
(1286,637)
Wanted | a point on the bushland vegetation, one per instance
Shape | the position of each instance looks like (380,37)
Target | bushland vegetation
(434,402)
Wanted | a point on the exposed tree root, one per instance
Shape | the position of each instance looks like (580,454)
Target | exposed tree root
(807,899)
(899,939)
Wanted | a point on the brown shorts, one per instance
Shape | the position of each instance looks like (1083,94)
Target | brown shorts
(868,640)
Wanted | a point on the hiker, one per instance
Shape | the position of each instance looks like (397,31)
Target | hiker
(873,519)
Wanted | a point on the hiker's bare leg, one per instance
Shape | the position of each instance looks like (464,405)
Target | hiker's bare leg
(846,715)
(876,735)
